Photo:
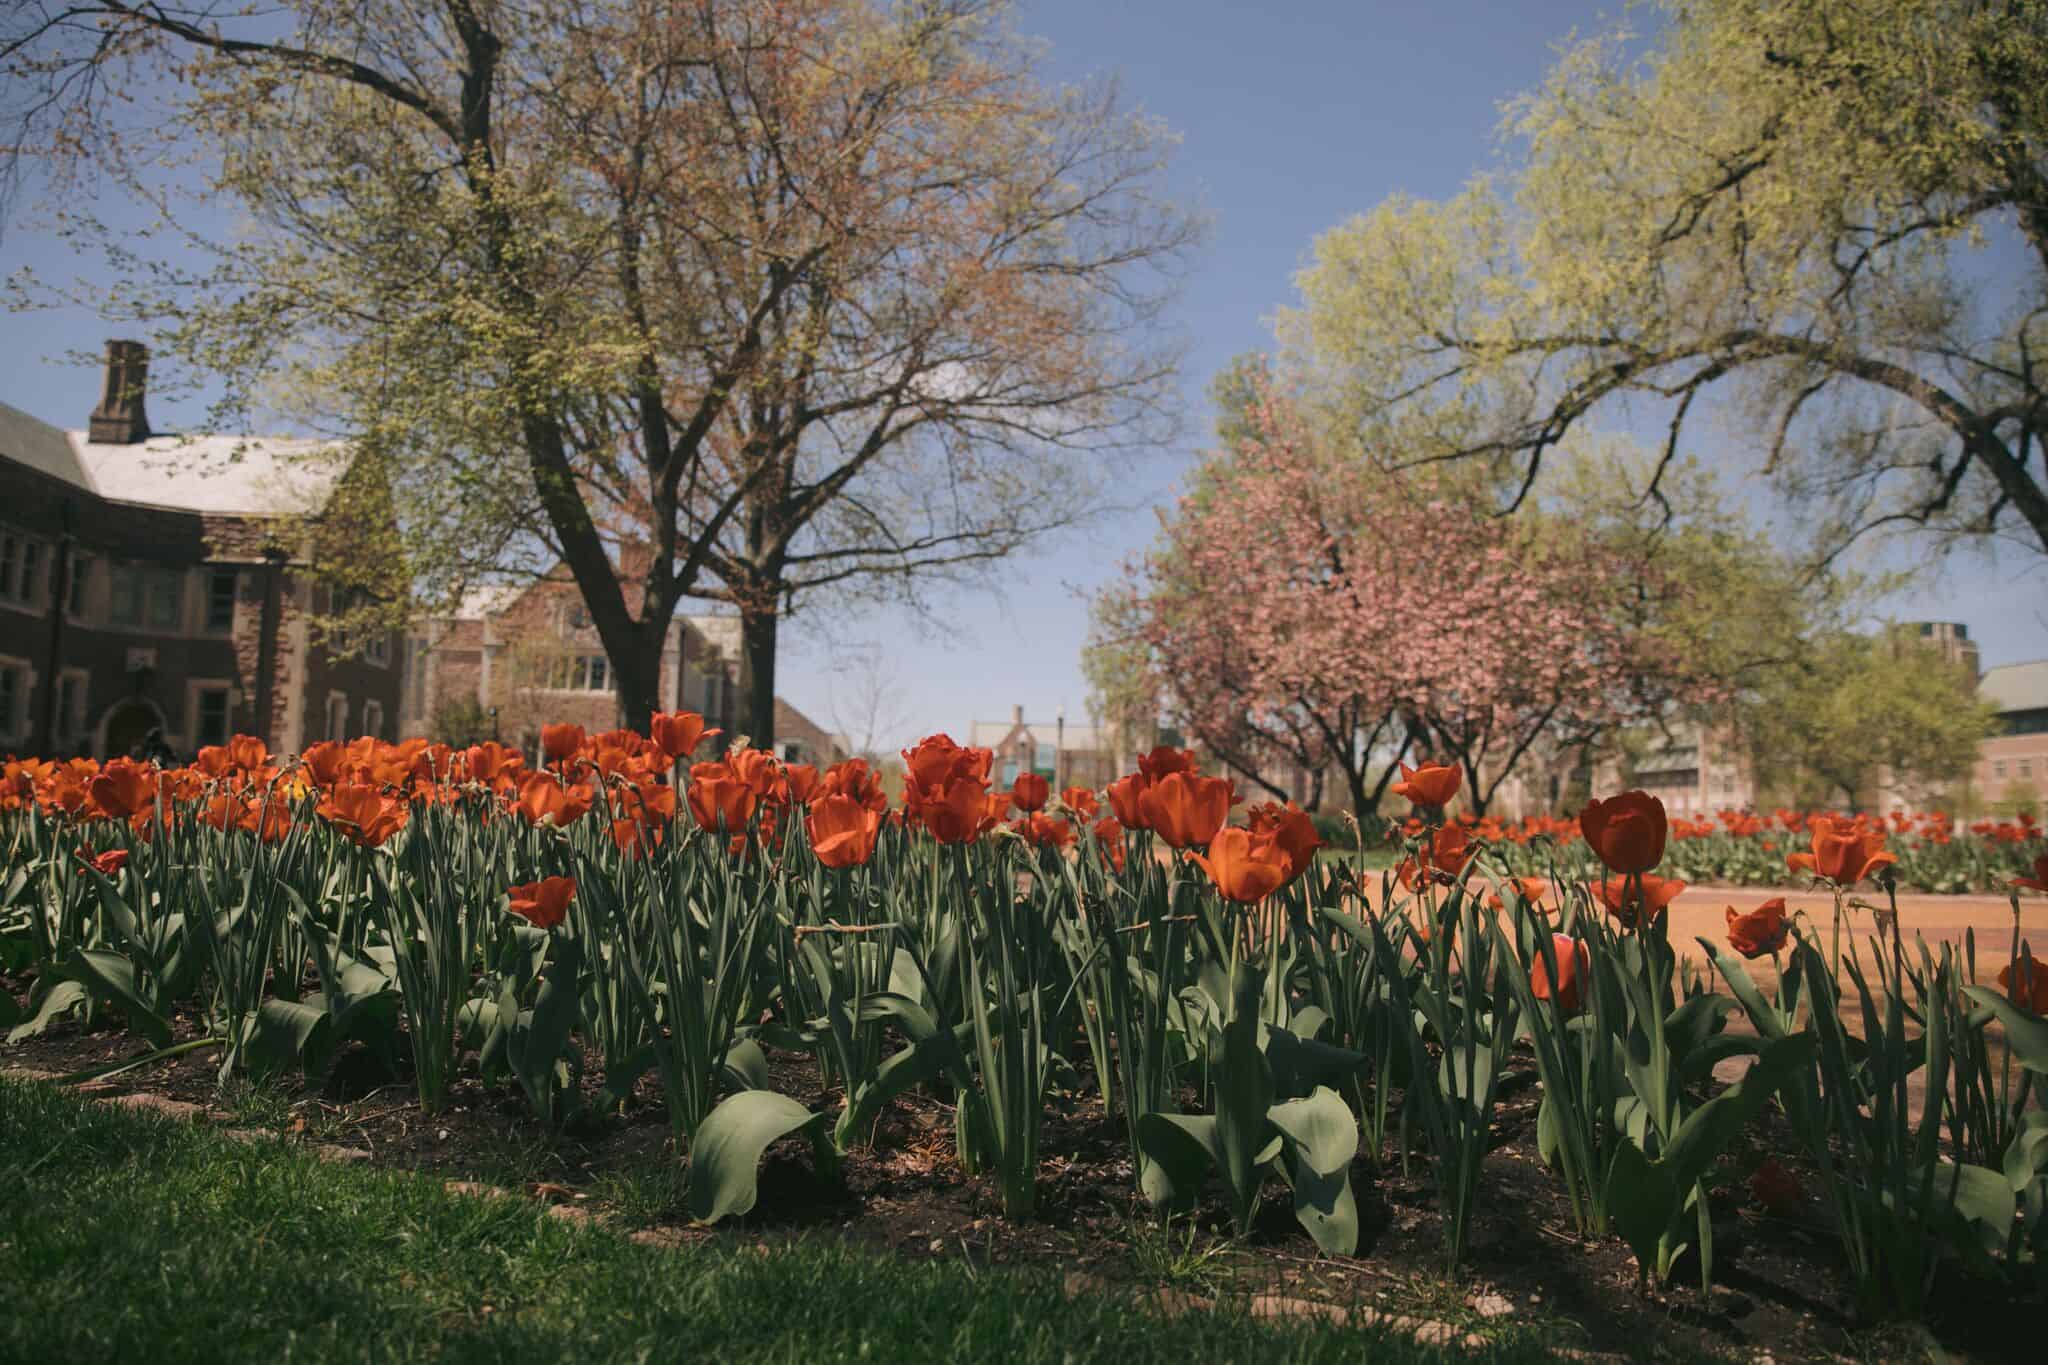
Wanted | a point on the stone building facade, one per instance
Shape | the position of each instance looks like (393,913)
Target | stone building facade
(148,591)
(513,658)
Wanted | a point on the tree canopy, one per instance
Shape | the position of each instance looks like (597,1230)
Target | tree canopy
(1826,221)
(721,298)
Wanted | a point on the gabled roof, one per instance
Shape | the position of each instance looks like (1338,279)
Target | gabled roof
(2016,687)
(40,446)
(251,476)
(988,734)
(259,476)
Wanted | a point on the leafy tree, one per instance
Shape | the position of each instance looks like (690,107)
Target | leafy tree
(1368,614)
(740,299)
(1857,709)
(1777,203)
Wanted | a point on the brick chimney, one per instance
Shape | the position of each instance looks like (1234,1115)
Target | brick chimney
(119,419)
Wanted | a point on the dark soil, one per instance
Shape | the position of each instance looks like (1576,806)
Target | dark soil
(1781,1292)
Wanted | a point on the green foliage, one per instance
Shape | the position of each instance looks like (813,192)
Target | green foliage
(1826,723)
(1774,214)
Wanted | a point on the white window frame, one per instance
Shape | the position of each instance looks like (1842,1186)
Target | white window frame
(71,726)
(14,729)
(336,721)
(373,718)
(193,688)
(16,548)
(208,574)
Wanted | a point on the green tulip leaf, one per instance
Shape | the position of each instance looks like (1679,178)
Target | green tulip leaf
(725,1154)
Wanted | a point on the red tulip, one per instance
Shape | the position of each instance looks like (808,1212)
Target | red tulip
(545,903)
(1626,832)
(1574,962)
(1760,932)
(1432,784)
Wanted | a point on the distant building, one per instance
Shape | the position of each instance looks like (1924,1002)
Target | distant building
(2012,765)
(510,659)
(145,588)
(1065,755)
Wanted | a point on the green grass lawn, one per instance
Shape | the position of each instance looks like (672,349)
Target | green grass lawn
(130,1237)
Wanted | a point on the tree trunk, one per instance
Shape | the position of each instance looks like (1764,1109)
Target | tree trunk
(757,644)
(637,676)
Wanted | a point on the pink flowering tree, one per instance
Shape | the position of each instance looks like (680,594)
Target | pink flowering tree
(1305,607)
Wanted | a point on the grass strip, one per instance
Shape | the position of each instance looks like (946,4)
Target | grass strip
(127,1236)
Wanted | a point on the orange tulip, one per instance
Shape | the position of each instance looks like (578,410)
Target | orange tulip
(560,743)
(801,781)
(2025,983)
(543,904)
(1044,831)
(720,798)
(678,733)
(960,813)
(543,800)
(248,753)
(854,778)
(1030,792)
(1842,852)
(1760,932)
(1126,801)
(106,864)
(1164,760)
(1573,965)
(843,831)
(123,789)
(1531,891)
(1634,907)
(1082,802)
(1186,810)
(932,765)
(324,762)
(759,769)
(1290,827)
(1109,836)
(1243,866)
(362,814)
(2039,881)
(490,761)
(1432,784)
(1626,832)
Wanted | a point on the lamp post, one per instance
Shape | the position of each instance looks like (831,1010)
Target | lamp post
(1059,747)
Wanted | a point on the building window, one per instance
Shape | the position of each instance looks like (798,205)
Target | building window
(2027,767)
(81,570)
(13,694)
(377,649)
(71,704)
(212,725)
(337,715)
(220,598)
(1998,768)
(373,719)
(20,558)
(574,673)
(146,595)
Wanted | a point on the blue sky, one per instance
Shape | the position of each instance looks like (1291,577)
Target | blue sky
(1289,122)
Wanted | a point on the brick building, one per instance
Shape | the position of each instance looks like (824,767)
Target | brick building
(2012,765)
(1067,755)
(148,586)
(510,659)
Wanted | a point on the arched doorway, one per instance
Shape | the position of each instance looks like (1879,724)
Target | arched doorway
(125,726)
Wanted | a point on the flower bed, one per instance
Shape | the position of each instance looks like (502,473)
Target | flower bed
(1263,1033)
